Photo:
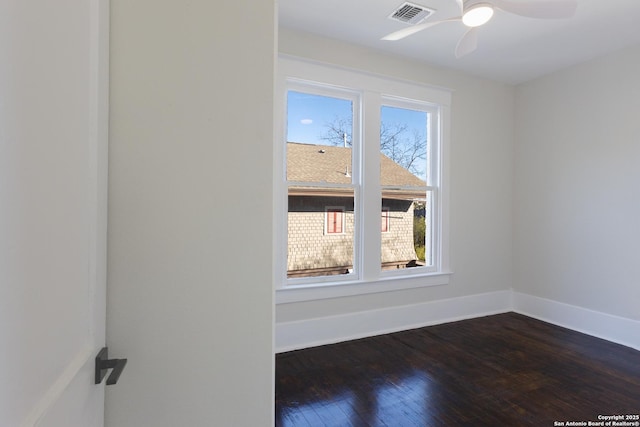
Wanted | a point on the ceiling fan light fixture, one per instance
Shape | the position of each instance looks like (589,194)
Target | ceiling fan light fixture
(477,15)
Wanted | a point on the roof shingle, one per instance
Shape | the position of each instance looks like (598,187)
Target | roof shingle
(321,163)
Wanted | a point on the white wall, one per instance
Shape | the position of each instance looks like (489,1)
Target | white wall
(190,225)
(577,180)
(481,175)
(543,202)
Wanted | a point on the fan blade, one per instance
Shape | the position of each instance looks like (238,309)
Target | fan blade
(405,32)
(467,43)
(544,9)
(461,4)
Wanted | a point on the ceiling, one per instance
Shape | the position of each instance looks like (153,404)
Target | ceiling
(511,48)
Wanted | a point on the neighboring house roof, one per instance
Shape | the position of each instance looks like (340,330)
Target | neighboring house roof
(322,163)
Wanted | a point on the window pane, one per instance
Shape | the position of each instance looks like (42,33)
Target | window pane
(408,241)
(403,175)
(404,241)
(320,232)
(320,215)
(319,138)
(403,144)
(423,230)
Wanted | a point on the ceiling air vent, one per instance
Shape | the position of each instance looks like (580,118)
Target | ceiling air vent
(410,13)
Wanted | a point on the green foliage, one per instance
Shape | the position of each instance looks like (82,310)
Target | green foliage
(419,230)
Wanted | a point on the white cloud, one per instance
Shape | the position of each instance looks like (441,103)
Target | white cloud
(306,121)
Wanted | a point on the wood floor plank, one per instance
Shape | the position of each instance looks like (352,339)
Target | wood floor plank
(507,370)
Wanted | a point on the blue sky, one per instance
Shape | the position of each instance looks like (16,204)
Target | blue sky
(308,115)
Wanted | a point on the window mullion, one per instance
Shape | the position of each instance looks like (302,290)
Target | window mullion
(371,200)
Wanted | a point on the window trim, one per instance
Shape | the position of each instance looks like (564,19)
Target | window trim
(304,72)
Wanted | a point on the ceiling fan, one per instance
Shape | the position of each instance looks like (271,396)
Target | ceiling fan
(476,13)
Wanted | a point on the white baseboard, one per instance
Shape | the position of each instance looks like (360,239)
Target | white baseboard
(328,330)
(606,326)
(332,329)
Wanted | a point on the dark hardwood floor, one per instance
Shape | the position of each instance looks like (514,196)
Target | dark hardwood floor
(502,370)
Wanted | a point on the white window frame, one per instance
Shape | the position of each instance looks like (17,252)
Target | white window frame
(373,91)
(432,185)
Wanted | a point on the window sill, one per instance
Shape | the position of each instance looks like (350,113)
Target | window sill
(299,293)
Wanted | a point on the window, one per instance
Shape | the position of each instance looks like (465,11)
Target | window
(334,222)
(320,184)
(404,163)
(363,184)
